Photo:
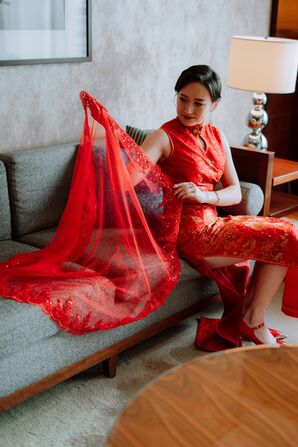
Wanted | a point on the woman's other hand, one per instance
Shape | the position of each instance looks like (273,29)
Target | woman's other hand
(190,191)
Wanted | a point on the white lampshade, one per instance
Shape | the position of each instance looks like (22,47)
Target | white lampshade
(263,64)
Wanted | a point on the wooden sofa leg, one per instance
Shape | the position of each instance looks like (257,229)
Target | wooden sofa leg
(110,366)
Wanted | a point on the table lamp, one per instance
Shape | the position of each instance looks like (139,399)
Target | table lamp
(262,65)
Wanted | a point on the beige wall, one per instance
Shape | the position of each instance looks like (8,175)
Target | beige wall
(139,49)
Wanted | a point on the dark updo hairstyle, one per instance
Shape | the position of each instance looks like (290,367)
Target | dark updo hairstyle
(205,76)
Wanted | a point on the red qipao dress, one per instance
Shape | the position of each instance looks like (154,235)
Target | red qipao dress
(203,233)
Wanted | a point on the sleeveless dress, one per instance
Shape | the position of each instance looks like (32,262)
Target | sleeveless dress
(203,233)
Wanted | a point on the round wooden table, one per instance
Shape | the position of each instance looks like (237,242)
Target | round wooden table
(245,397)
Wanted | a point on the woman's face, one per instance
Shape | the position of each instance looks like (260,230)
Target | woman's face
(193,104)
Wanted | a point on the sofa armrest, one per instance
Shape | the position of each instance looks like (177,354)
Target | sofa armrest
(251,203)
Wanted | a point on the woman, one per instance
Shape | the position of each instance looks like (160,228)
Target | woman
(197,156)
(105,267)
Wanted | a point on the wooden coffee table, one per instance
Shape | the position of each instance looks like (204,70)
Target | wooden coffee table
(246,397)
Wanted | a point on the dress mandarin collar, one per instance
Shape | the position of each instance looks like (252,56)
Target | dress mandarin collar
(195,130)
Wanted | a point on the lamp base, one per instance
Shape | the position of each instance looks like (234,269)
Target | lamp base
(258,140)
(257,120)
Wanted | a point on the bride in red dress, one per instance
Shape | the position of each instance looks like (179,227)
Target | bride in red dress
(111,263)
(196,155)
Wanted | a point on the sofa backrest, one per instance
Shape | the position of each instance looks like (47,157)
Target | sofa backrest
(38,182)
(5,219)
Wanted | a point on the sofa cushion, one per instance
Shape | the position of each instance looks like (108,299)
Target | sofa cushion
(5,220)
(42,238)
(39,181)
(55,352)
(11,248)
(39,238)
(23,325)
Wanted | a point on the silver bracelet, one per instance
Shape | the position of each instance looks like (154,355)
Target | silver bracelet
(218,196)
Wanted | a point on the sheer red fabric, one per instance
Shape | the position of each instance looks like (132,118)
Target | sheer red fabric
(105,266)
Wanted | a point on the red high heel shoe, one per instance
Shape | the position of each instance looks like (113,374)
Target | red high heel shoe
(277,334)
(248,333)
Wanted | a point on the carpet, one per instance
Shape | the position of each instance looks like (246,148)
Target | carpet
(81,411)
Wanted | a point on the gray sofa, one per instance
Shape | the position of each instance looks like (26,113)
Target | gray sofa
(34,353)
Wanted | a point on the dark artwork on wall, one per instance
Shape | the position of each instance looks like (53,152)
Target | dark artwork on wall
(47,31)
(282,129)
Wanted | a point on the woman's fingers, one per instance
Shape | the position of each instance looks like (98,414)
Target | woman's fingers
(185,196)
(183,193)
(188,190)
(186,184)
(180,191)
(185,189)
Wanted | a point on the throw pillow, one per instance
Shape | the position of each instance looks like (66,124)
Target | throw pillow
(137,134)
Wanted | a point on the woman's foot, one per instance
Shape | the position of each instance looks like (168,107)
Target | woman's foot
(275,332)
(259,334)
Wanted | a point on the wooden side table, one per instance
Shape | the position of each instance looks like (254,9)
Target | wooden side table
(284,171)
(262,168)
(239,397)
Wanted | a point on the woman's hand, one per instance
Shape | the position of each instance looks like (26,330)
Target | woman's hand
(188,190)
(85,98)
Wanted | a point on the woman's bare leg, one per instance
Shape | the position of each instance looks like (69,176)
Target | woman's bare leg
(220,261)
(264,283)
(267,279)
(250,289)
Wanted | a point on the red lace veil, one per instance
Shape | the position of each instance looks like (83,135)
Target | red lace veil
(112,260)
